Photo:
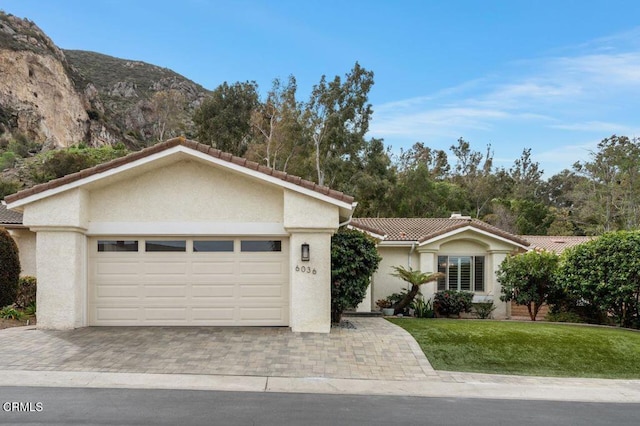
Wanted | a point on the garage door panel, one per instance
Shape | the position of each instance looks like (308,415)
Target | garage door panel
(214,268)
(164,267)
(261,291)
(152,292)
(119,292)
(261,268)
(172,314)
(188,288)
(117,314)
(114,267)
(212,313)
(217,291)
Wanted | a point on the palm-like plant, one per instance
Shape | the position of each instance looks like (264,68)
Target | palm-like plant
(416,278)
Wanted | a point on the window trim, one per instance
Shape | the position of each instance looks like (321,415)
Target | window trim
(473,285)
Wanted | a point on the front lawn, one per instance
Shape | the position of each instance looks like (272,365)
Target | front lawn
(527,348)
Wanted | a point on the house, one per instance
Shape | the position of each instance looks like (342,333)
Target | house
(180,234)
(468,251)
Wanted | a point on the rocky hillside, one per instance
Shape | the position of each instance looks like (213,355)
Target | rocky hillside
(60,97)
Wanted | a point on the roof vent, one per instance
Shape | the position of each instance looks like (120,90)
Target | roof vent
(459,216)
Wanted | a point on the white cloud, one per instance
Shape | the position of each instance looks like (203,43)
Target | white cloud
(549,104)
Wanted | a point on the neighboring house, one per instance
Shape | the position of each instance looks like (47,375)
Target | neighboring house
(24,238)
(468,251)
(181,234)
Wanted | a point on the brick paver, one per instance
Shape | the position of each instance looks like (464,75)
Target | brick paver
(375,349)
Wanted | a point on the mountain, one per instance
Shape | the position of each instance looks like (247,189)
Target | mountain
(58,97)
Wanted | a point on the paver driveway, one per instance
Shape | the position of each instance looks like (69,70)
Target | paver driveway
(375,349)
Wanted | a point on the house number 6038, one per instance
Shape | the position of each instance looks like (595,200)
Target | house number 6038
(306,269)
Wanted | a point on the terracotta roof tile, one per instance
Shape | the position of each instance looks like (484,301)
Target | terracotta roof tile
(556,244)
(424,229)
(170,144)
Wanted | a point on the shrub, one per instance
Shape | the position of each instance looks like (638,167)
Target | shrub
(452,302)
(354,259)
(30,309)
(26,294)
(604,276)
(529,280)
(8,187)
(9,268)
(564,317)
(423,309)
(484,310)
(9,312)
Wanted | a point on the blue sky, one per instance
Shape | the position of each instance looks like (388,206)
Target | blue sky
(554,76)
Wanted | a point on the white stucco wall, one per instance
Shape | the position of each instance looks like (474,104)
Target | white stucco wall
(310,301)
(26,241)
(304,212)
(67,209)
(62,279)
(310,221)
(383,283)
(187,191)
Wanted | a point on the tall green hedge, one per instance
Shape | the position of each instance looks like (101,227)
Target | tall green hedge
(604,275)
(354,258)
(9,269)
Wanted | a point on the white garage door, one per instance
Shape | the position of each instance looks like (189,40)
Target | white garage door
(188,281)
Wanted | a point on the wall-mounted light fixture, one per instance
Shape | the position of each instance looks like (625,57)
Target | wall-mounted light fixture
(305,256)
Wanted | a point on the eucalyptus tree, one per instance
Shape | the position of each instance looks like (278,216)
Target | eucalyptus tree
(223,120)
(337,119)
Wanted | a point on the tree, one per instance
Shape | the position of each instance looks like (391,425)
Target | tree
(605,274)
(9,269)
(354,258)
(224,119)
(609,199)
(167,106)
(371,185)
(415,278)
(278,128)
(337,118)
(527,177)
(474,175)
(529,279)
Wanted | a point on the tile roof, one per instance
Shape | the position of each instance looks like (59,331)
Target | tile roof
(423,229)
(8,217)
(206,149)
(556,244)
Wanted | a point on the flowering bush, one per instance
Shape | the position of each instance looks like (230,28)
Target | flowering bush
(452,302)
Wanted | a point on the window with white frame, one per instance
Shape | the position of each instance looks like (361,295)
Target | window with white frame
(461,273)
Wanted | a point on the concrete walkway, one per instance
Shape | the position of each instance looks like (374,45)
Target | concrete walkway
(376,358)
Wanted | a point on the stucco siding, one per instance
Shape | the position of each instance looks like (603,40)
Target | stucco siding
(67,209)
(383,283)
(61,264)
(26,241)
(310,283)
(187,191)
(306,212)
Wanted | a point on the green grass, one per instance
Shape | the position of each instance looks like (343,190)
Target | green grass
(527,348)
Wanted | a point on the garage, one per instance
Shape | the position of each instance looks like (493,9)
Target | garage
(174,281)
(182,234)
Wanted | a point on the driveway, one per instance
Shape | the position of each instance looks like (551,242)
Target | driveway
(374,349)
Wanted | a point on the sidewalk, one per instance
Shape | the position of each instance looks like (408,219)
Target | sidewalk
(444,385)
